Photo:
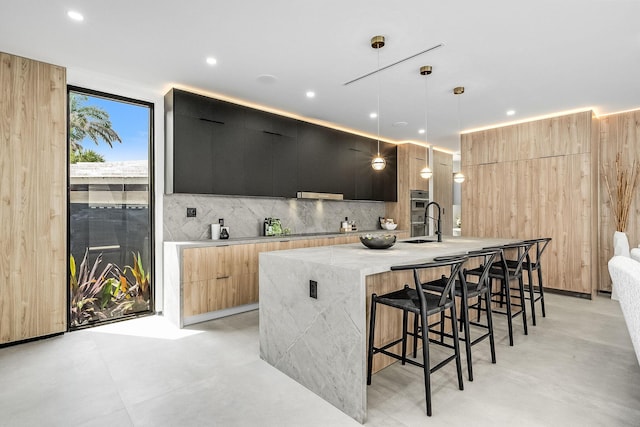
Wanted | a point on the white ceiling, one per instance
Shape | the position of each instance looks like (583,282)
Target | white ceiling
(535,57)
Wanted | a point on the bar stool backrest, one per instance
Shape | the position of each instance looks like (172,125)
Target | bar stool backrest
(489,256)
(541,245)
(454,263)
(522,249)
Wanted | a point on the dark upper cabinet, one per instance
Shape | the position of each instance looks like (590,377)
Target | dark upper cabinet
(217,147)
(363,152)
(271,155)
(285,162)
(193,167)
(208,109)
(321,163)
(229,147)
(270,123)
(385,181)
(258,163)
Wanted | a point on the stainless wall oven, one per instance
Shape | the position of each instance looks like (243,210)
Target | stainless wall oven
(419,200)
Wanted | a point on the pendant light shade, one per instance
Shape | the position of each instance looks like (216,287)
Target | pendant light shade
(426,173)
(378,163)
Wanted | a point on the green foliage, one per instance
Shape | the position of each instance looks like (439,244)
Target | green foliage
(85,156)
(88,121)
(109,294)
(87,288)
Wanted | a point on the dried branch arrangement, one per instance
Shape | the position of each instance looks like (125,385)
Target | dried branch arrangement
(621,196)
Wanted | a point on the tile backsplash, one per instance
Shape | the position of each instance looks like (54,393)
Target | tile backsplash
(244,215)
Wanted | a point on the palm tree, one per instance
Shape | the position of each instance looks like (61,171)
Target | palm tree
(88,121)
(85,156)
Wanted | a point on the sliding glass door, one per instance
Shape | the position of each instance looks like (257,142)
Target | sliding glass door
(110,212)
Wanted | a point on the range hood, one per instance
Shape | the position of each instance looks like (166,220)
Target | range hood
(323,196)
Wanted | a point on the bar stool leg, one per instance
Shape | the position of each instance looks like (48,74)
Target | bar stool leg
(541,290)
(523,303)
(467,339)
(427,363)
(507,291)
(372,326)
(415,335)
(404,336)
(492,344)
(456,346)
(532,296)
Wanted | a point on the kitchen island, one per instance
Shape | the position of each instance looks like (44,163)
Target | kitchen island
(321,342)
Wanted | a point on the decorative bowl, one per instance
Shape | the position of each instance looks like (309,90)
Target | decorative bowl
(378,241)
(389,225)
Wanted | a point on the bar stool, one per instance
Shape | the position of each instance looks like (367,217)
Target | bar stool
(425,304)
(500,271)
(531,266)
(466,291)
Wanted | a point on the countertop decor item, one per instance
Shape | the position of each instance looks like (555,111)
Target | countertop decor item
(388,224)
(378,241)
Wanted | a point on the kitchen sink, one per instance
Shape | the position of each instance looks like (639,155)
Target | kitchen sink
(418,241)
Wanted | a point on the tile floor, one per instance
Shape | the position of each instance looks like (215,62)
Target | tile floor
(576,368)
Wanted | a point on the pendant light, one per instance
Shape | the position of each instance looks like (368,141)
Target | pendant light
(458,176)
(378,163)
(426,172)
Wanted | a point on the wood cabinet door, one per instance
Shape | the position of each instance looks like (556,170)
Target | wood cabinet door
(33,199)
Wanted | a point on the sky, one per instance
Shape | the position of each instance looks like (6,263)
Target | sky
(131,123)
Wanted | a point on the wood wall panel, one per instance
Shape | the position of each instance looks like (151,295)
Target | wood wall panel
(619,133)
(33,278)
(443,188)
(531,180)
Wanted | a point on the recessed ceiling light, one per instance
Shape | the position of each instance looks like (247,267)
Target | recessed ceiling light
(311,94)
(267,78)
(211,60)
(421,131)
(373,115)
(76,16)
(511,112)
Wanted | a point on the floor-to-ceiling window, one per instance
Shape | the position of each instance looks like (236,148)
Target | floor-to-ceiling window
(110,207)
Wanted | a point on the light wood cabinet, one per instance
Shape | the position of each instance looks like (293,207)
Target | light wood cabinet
(533,180)
(412,159)
(443,188)
(417,160)
(33,211)
(216,278)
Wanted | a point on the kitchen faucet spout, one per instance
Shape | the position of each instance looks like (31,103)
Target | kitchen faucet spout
(438,220)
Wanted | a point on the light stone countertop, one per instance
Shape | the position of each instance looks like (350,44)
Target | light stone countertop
(266,239)
(357,257)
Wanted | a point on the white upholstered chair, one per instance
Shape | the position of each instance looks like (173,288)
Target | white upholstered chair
(625,274)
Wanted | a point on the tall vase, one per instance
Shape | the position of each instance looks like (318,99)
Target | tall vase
(620,248)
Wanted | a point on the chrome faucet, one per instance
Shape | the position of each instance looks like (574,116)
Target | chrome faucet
(438,220)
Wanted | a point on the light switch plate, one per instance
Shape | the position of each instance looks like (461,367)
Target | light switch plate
(313,289)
